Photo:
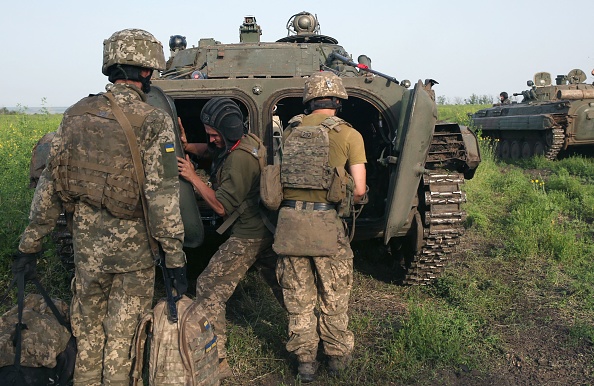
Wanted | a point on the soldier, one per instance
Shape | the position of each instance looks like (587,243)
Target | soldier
(315,258)
(233,192)
(504,98)
(90,173)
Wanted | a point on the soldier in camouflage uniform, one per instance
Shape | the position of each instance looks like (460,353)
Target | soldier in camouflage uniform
(504,98)
(90,174)
(315,258)
(233,189)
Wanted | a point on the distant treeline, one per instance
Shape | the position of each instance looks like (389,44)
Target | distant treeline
(474,99)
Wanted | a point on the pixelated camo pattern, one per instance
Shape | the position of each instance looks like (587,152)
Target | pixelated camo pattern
(134,47)
(182,353)
(44,337)
(305,158)
(323,84)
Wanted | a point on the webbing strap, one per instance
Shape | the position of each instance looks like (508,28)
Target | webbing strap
(233,217)
(138,168)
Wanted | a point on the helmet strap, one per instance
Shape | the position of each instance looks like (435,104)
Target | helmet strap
(324,103)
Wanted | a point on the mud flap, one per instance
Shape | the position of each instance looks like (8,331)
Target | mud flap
(193,227)
(416,129)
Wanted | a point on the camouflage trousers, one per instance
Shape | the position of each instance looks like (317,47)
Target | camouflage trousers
(218,281)
(324,280)
(105,310)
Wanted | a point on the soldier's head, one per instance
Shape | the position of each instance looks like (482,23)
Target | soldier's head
(131,54)
(177,43)
(323,90)
(503,96)
(223,122)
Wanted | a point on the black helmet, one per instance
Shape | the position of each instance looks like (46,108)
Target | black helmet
(224,115)
(177,42)
(504,95)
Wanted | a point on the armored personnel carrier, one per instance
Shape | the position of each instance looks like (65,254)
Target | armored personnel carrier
(415,168)
(549,119)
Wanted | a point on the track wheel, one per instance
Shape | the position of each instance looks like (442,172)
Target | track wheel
(504,151)
(515,151)
(539,148)
(526,150)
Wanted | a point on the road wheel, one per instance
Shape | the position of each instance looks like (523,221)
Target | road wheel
(526,150)
(539,148)
(515,150)
(504,149)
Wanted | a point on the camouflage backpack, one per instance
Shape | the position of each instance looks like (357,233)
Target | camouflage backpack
(182,353)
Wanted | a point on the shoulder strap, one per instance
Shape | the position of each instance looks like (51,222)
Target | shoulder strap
(138,168)
(137,352)
(296,120)
(333,123)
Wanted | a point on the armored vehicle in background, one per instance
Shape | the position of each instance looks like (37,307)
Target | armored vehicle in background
(415,168)
(550,118)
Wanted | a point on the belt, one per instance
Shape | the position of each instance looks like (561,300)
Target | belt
(304,205)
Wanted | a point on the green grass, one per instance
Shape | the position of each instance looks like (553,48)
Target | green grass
(528,246)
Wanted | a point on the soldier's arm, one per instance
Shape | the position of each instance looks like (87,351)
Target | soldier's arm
(359,174)
(186,170)
(45,207)
(356,162)
(162,186)
(197,148)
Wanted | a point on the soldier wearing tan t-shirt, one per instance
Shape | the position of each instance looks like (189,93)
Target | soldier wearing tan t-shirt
(315,258)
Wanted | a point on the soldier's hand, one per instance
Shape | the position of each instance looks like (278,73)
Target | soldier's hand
(25,263)
(179,280)
(182,134)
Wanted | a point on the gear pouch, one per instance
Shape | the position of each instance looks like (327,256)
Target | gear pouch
(306,232)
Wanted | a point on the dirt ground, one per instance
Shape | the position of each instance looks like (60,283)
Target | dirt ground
(537,350)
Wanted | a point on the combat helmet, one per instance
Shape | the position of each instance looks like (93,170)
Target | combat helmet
(224,116)
(133,47)
(323,84)
(177,43)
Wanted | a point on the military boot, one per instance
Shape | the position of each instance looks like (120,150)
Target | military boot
(307,371)
(338,364)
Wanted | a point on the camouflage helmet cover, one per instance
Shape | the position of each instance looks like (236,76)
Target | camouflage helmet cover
(323,84)
(134,47)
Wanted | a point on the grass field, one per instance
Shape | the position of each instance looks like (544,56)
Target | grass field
(520,285)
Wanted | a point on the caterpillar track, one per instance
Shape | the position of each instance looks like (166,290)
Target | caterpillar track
(440,201)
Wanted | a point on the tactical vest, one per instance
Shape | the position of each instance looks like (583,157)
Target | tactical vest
(306,154)
(94,163)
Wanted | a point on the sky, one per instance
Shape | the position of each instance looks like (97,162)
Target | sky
(52,50)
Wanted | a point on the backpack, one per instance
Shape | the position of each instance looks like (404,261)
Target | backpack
(182,353)
(36,345)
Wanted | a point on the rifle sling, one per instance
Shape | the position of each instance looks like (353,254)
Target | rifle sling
(138,168)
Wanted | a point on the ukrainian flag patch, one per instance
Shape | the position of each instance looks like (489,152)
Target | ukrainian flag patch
(169,147)
(210,345)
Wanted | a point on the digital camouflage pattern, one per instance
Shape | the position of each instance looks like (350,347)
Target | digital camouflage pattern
(42,340)
(182,353)
(306,152)
(126,248)
(324,279)
(105,310)
(114,273)
(218,281)
(323,84)
(134,47)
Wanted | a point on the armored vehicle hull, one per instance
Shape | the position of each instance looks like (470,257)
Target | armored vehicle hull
(550,119)
(415,168)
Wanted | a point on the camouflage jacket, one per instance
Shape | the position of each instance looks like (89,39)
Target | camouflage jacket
(102,242)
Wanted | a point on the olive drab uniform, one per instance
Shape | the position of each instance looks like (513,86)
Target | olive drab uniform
(90,173)
(314,146)
(237,188)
